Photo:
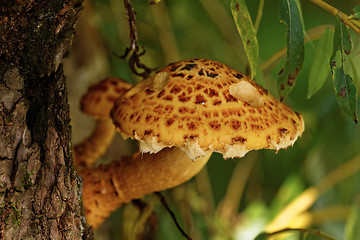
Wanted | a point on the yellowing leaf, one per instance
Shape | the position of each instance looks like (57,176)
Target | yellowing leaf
(247,32)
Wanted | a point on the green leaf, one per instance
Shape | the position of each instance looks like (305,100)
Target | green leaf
(259,77)
(352,230)
(289,14)
(247,32)
(261,236)
(356,14)
(319,68)
(345,89)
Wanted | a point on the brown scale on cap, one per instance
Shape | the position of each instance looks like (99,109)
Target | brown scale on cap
(106,187)
(97,102)
(100,97)
(203,106)
(198,106)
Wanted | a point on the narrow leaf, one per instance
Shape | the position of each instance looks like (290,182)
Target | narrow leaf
(247,32)
(345,89)
(307,38)
(356,14)
(289,14)
(320,69)
(352,230)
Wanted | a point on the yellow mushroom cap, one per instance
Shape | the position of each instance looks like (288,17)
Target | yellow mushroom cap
(202,105)
(100,97)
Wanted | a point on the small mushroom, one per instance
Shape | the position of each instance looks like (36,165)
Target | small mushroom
(180,116)
(97,102)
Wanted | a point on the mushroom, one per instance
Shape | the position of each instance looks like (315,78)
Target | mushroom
(97,102)
(107,187)
(180,116)
(205,106)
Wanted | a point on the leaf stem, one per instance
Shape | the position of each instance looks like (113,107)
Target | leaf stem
(172,214)
(353,24)
(259,15)
(313,34)
(134,48)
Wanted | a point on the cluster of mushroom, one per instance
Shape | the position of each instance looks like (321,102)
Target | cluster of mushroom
(180,115)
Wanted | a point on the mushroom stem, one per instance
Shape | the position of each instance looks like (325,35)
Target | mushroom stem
(87,152)
(107,187)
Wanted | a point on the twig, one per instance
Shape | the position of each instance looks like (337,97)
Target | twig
(259,15)
(172,214)
(321,216)
(230,203)
(134,61)
(336,12)
(313,34)
(147,216)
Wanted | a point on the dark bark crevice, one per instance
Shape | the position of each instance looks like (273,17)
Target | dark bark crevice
(39,190)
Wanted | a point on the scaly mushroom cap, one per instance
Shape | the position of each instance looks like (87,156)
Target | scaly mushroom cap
(97,102)
(100,97)
(202,105)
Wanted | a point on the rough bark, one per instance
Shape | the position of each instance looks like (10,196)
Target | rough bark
(40,194)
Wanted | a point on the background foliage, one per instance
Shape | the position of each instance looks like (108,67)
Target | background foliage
(232,199)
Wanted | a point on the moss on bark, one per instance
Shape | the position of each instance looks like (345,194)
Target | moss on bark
(35,133)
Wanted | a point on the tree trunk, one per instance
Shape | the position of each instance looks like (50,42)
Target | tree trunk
(40,195)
